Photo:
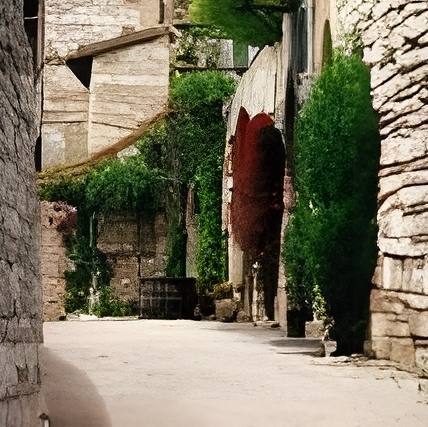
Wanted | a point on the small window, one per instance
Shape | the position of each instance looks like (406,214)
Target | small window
(82,69)
(31,15)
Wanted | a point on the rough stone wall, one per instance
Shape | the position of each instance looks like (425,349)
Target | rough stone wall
(20,290)
(135,247)
(395,40)
(57,220)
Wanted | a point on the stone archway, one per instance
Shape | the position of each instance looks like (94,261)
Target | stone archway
(258,164)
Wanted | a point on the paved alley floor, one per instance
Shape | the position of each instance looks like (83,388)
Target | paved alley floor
(153,373)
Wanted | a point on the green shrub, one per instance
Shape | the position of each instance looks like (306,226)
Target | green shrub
(331,240)
(190,148)
(253,22)
(87,262)
(109,305)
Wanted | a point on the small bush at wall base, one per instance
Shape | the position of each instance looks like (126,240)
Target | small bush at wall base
(109,305)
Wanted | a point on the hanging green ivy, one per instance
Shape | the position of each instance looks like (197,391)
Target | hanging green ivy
(189,146)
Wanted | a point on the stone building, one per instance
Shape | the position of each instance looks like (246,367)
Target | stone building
(394,40)
(105,67)
(267,99)
(105,73)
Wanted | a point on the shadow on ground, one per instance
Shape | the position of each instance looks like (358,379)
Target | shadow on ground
(297,345)
(71,399)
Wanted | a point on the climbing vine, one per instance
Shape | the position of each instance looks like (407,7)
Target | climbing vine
(331,240)
(189,147)
(185,149)
(113,186)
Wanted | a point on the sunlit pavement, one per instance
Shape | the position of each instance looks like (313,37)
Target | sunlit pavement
(181,373)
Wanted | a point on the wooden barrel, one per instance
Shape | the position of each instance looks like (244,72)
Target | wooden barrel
(167,297)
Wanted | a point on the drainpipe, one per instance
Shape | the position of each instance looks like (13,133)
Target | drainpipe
(310,12)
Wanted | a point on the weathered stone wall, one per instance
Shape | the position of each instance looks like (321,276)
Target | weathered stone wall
(65,116)
(70,25)
(135,247)
(395,39)
(121,88)
(261,90)
(54,219)
(20,289)
(128,86)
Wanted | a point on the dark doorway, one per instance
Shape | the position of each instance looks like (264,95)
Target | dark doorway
(257,202)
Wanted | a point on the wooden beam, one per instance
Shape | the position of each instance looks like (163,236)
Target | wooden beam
(191,67)
(120,42)
(81,167)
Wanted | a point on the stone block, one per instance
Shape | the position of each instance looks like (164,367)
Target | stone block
(423,388)
(242,317)
(414,275)
(367,349)
(421,358)
(314,329)
(381,347)
(329,347)
(403,351)
(386,325)
(392,272)
(385,302)
(225,310)
(418,323)
(414,301)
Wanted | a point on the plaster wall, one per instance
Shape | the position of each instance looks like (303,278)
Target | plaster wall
(261,90)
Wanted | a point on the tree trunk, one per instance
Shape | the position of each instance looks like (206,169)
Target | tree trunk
(20,286)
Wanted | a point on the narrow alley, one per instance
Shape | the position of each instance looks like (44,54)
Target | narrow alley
(152,373)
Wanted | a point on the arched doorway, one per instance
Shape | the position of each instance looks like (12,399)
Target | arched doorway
(258,164)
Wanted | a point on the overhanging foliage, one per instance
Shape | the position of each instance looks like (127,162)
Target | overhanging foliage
(253,22)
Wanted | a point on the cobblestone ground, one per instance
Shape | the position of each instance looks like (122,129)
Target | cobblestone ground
(149,373)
